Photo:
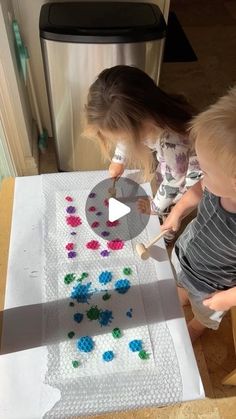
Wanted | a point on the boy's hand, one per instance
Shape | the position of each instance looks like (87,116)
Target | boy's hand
(172,222)
(219,301)
(116,169)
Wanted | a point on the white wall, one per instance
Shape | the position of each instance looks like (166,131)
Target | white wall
(27,13)
(15,111)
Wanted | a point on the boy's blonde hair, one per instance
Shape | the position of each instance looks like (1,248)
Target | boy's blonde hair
(121,100)
(215,128)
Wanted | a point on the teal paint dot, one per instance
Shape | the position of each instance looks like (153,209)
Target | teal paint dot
(108,356)
(122,286)
(135,345)
(85,344)
(105,277)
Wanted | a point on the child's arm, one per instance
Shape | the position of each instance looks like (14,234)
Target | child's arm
(222,300)
(173,157)
(185,206)
(117,165)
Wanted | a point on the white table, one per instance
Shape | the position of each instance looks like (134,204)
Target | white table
(23,393)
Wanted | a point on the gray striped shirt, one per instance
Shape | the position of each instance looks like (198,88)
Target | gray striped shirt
(207,248)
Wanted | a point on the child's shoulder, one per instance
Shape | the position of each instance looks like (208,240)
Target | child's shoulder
(174,140)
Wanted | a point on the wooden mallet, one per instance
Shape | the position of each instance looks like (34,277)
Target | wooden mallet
(143,250)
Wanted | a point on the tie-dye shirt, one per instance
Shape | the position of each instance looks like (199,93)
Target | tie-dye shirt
(178,168)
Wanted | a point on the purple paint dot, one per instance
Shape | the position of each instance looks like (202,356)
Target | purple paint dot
(72,255)
(105,233)
(70,210)
(73,233)
(98,213)
(92,195)
(104,253)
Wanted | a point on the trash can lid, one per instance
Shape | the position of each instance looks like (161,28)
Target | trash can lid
(101,22)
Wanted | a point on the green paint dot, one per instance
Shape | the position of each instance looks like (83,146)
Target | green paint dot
(93,313)
(71,304)
(143,355)
(116,333)
(127,271)
(69,278)
(83,276)
(71,335)
(106,296)
(75,364)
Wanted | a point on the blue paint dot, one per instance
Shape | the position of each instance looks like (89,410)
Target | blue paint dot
(105,277)
(98,213)
(129,314)
(82,293)
(92,195)
(122,286)
(78,317)
(105,317)
(85,344)
(135,345)
(108,356)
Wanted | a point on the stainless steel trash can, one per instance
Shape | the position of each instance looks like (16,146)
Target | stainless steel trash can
(78,41)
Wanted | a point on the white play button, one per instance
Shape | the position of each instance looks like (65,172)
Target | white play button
(116,209)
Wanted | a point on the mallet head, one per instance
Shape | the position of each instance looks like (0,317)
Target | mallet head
(142,251)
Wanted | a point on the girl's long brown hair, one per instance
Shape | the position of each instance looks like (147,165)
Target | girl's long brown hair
(122,99)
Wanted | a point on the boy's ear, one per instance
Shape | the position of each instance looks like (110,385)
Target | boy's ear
(234,183)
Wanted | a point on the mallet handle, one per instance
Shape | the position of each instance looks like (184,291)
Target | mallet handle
(156,238)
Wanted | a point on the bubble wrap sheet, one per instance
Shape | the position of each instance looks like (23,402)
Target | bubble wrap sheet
(95,386)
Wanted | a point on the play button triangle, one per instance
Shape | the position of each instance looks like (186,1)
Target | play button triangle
(117,210)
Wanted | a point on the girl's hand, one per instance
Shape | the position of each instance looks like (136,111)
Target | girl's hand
(144,206)
(172,222)
(116,169)
(219,301)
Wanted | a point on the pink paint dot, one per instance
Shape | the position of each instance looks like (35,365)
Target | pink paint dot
(112,223)
(69,198)
(73,221)
(92,209)
(116,244)
(93,244)
(95,224)
(70,246)
(106,203)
